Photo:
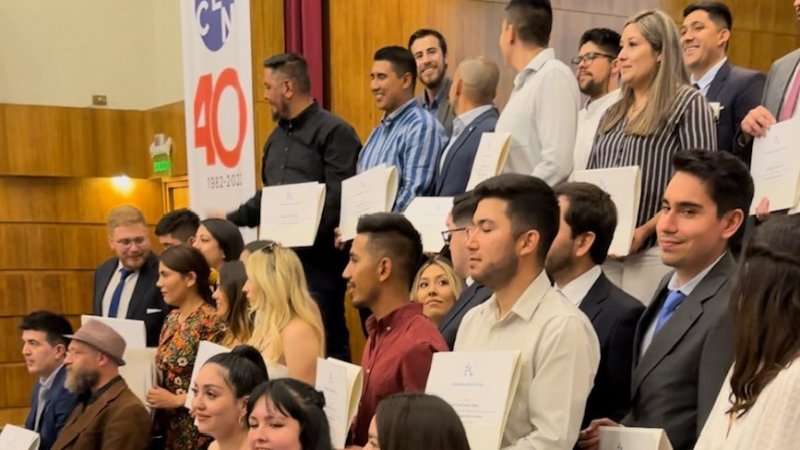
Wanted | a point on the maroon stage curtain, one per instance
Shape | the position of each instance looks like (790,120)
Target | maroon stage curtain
(303,25)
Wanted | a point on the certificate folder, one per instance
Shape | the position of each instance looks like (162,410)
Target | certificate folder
(17,438)
(490,157)
(624,185)
(290,213)
(371,191)
(428,215)
(624,438)
(341,383)
(480,387)
(775,166)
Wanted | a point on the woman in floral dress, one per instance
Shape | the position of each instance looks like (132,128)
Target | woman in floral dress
(183,281)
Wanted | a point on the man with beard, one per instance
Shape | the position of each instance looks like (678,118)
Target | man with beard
(597,70)
(430,52)
(309,144)
(588,221)
(384,259)
(125,285)
(559,351)
(108,415)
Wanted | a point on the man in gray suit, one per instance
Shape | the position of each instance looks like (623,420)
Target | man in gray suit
(471,95)
(731,90)
(430,52)
(682,346)
(588,221)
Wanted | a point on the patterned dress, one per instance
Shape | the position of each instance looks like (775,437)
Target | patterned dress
(177,349)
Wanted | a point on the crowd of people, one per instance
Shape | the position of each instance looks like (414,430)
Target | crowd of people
(693,332)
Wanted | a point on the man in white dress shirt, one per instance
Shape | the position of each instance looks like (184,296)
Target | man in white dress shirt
(542,112)
(559,351)
(597,70)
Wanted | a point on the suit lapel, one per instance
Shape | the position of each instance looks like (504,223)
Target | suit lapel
(718,82)
(782,78)
(104,275)
(147,280)
(460,141)
(462,303)
(78,421)
(591,305)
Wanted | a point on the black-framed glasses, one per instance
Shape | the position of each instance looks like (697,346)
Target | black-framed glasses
(447,235)
(590,57)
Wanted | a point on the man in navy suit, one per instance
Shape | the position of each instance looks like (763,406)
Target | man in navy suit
(588,221)
(125,285)
(456,238)
(44,348)
(471,95)
(732,91)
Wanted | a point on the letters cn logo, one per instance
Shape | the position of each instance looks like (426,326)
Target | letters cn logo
(214,20)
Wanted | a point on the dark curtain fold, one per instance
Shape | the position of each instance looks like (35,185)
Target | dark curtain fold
(303,25)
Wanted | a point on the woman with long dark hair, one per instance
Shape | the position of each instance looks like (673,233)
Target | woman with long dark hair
(232,304)
(757,407)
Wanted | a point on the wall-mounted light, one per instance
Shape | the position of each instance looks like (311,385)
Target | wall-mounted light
(122,183)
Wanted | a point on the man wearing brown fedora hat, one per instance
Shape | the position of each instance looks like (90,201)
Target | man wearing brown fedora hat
(108,415)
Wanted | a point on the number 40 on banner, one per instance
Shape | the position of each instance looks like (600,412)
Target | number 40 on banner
(206,122)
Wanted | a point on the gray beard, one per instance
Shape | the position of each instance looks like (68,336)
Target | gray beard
(81,383)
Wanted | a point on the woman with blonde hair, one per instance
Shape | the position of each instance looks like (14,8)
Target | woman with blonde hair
(287,325)
(658,115)
(436,287)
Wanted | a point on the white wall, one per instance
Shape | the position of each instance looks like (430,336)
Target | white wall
(55,52)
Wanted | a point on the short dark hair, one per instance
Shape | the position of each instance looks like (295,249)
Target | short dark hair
(401,59)
(180,223)
(727,179)
(227,235)
(184,260)
(532,20)
(392,235)
(54,326)
(423,32)
(415,421)
(532,205)
(464,206)
(302,403)
(608,40)
(718,12)
(245,366)
(294,66)
(590,210)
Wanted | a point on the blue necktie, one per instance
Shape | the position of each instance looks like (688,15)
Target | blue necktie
(674,299)
(113,308)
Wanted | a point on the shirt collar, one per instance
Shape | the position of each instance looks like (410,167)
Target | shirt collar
(89,398)
(576,290)
(529,300)
(394,318)
(298,120)
(47,383)
(533,66)
(709,76)
(464,120)
(689,287)
(391,117)
(604,101)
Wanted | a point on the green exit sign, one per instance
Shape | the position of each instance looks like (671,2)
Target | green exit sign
(162,166)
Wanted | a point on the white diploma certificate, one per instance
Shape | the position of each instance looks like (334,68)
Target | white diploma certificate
(132,331)
(490,157)
(17,438)
(624,185)
(479,386)
(624,438)
(341,383)
(205,351)
(290,213)
(371,191)
(428,215)
(775,165)
(139,371)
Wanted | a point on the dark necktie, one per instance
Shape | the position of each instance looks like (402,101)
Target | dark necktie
(113,308)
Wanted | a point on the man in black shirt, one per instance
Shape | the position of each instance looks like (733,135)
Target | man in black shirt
(309,144)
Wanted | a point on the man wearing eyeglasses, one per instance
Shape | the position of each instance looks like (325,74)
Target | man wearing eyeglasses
(125,285)
(597,70)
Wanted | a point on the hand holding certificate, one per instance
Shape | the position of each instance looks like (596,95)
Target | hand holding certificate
(428,215)
(371,191)
(490,157)
(139,371)
(623,438)
(479,386)
(624,185)
(18,438)
(775,166)
(290,213)
(341,383)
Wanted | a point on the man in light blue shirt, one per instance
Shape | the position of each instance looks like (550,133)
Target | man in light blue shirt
(408,137)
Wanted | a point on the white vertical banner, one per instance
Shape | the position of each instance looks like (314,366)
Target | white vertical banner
(218,88)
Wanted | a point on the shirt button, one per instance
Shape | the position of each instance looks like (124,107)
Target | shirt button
(283,166)
(286,149)
(388,328)
(369,370)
